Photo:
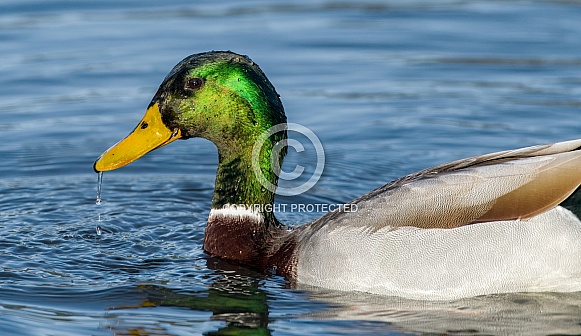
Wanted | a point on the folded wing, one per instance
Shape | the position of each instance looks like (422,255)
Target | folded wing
(509,185)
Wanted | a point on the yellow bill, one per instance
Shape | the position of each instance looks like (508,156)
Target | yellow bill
(151,133)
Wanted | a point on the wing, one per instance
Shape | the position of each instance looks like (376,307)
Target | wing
(509,185)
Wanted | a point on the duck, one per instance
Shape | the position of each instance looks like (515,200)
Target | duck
(490,224)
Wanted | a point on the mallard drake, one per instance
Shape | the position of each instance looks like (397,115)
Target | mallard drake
(482,225)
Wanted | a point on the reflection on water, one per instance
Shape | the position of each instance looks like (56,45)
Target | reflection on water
(238,304)
(234,299)
(506,314)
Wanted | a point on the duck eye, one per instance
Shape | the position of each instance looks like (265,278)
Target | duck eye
(194,83)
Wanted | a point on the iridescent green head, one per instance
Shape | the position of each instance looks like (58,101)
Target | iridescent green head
(223,97)
(218,95)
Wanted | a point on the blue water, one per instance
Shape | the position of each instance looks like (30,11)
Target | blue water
(389,87)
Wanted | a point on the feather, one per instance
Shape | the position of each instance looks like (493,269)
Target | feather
(508,185)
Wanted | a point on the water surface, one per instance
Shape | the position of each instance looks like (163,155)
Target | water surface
(390,87)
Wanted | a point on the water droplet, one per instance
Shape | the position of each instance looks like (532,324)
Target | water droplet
(99,183)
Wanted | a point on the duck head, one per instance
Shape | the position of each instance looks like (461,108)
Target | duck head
(225,98)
